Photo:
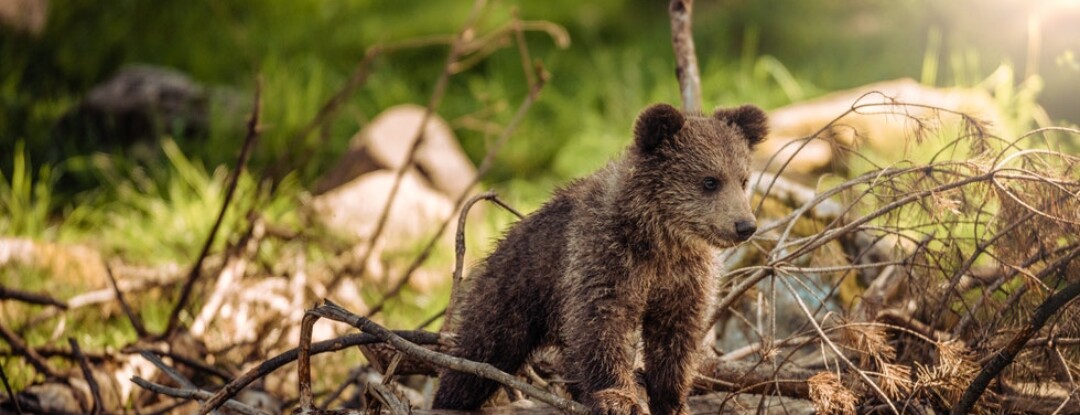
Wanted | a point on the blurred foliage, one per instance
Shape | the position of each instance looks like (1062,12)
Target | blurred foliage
(155,201)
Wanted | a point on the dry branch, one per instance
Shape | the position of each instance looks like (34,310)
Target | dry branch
(30,298)
(485,165)
(276,362)
(18,346)
(84,364)
(1006,355)
(484,370)
(719,403)
(459,253)
(11,395)
(194,394)
(233,180)
(136,322)
(686,66)
(463,35)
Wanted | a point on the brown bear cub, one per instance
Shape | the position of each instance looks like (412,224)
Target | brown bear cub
(627,250)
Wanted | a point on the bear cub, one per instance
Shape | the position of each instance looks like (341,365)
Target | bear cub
(628,250)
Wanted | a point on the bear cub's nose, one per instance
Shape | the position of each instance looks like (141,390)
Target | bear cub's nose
(744,229)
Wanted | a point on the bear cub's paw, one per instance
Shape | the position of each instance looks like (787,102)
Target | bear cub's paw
(616,401)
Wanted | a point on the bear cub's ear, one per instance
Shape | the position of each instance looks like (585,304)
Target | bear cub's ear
(656,124)
(749,119)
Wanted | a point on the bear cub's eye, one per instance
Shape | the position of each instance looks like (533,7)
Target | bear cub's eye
(744,181)
(710,184)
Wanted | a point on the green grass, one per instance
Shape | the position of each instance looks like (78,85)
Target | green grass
(156,204)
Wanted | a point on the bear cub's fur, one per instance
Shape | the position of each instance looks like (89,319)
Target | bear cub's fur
(629,249)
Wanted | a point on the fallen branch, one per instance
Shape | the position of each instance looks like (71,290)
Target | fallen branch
(18,346)
(11,395)
(334,312)
(84,364)
(194,394)
(276,362)
(485,165)
(30,298)
(1005,356)
(418,139)
(233,180)
(719,403)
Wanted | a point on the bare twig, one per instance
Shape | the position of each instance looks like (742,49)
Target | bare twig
(31,298)
(303,364)
(19,347)
(836,350)
(84,364)
(1005,356)
(335,312)
(177,377)
(276,362)
(459,251)
(686,66)
(11,395)
(136,322)
(482,169)
(183,360)
(233,180)
(330,108)
(418,139)
(196,394)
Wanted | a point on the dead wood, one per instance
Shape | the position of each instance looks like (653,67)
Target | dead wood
(84,364)
(1007,354)
(686,66)
(755,378)
(30,298)
(19,347)
(276,362)
(230,190)
(711,404)
(485,165)
(418,139)
(487,371)
(11,395)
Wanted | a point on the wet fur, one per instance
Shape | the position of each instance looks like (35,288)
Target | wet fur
(628,249)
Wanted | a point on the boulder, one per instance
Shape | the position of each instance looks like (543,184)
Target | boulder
(352,209)
(882,127)
(385,144)
(139,103)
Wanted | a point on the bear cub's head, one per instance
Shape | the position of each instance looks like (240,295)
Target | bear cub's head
(695,169)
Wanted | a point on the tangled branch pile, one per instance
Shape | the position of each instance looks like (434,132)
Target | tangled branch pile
(918,287)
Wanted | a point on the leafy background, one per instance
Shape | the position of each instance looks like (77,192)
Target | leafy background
(156,206)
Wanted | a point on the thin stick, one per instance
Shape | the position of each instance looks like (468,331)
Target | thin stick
(1005,356)
(18,346)
(836,350)
(234,178)
(334,312)
(180,379)
(353,377)
(303,364)
(686,66)
(459,256)
(181,359)
(195,394)
(84,364)
(136,322)
(485,165)
(7,387)
(31,298)
(327,112)
(417,141)
(276,362)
